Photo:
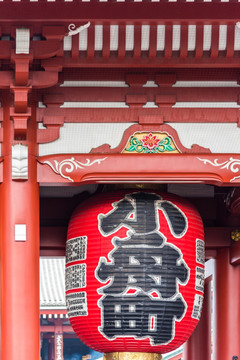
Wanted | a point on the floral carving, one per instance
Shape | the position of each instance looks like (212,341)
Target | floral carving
(70,165)
(150,143)
(232,165)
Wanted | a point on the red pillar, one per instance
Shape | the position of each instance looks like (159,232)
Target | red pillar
(51,349)
(198,346)
(227,322)
(19,204)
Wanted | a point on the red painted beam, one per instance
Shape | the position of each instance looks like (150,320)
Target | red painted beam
(194,94)
(167,62)
(53,240)
(51,328)
(217,237)
(126,168)
(50,311)
(184,74)
(66,336)
(128,115)
(25,12)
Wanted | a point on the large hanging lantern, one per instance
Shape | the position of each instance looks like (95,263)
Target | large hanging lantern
(134,271)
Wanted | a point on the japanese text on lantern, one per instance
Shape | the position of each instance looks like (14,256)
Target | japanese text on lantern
(144,270)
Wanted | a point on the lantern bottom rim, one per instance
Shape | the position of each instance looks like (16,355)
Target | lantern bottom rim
(131,356)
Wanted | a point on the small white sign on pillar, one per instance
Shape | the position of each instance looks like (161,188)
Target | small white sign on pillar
(20,232)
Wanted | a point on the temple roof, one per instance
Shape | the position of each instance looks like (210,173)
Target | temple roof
(52,283)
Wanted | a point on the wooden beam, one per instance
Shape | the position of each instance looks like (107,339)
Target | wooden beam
(43,11)
(111,167)
(129,115)
(56,311)
(50,328)
(118,94)
(53,239)
(167,62)
(183,74)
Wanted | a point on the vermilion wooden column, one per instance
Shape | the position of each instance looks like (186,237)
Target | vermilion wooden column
(19,204)
(198,346)
(51,349)
(227,327)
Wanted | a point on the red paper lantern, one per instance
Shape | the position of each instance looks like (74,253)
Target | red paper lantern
(134,271)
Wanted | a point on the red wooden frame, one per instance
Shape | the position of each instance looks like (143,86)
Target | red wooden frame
(216,169)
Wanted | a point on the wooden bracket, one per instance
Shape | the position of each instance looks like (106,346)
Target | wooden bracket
(43,79)
(165,100)
(22,62)
(52,131)
(50,134)
(53,64)
(53,100)
(53,32)
(151,119)
(136,100)
(45,49)
(136,80)
(20,123)
(51,120)
(50,48)
(165,79)
(21,72)
(20,99)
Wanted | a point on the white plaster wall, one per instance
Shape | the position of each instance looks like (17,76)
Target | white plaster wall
(81,138)
(219,138)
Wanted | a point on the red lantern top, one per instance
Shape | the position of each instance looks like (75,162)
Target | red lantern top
(135,271)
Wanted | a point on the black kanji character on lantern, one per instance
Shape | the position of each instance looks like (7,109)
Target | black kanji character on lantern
(144,207)
(143,268)
(141,317)
(142,261)
(144,220)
